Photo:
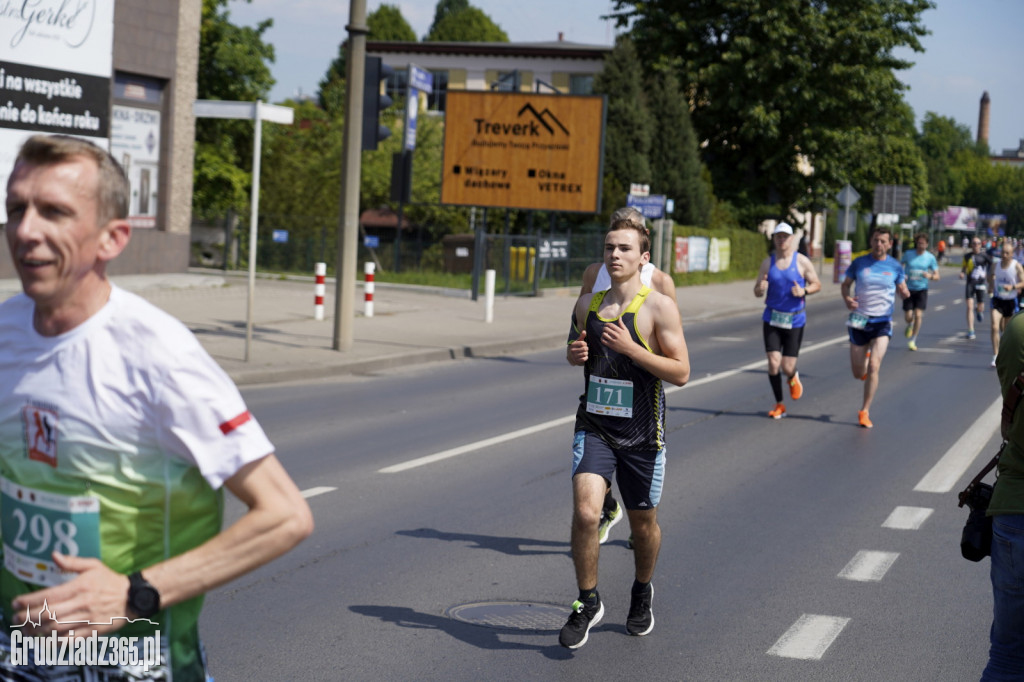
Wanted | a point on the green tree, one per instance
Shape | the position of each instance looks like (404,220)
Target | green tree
(469,25)
(384,23)
(773,81)
(233,65)
(628,126)
(947,148)
(995,189)
(445,8)
(675,161)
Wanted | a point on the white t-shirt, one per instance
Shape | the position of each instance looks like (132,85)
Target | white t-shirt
(131,377)
(604,280)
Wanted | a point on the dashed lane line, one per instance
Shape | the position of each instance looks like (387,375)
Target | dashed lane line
(809,637)
(868,566)
(948,470)
(530,430)
(319,490)
(907,518)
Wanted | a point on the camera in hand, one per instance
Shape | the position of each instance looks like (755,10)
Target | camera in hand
(976,539)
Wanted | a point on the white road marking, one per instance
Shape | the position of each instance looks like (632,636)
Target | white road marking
(948,470)
(868,566)
(936,350)
(939,307)
(907,518)
(313,492)
(530,430)
(957,301)
(730,339)
(809,637)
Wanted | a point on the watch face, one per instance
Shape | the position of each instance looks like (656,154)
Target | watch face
(144,601)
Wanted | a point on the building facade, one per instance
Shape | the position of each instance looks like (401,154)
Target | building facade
(142,89)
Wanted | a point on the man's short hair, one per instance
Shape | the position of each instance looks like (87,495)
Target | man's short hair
(921,235)
(113,190)
(629,213)
(882,230)
(641,230)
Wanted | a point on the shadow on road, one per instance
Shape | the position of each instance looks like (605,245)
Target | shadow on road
(505,545)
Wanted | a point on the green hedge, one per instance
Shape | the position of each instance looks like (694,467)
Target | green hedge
(746,251)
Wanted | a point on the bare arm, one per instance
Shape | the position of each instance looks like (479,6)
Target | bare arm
(813,284)
(277,520)
(663,283)
(589,277)
(576,353)
(761,283)
(844,288)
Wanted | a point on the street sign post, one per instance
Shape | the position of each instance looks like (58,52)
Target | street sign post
(847,197)
(257,112)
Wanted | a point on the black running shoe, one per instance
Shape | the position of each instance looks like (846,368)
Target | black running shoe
(641,618)
(574,633)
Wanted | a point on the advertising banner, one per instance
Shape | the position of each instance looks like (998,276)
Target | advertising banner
(55,67)
(523,150)
(698,256)
(682,263)
(957,218)
(842,260)
(135,143)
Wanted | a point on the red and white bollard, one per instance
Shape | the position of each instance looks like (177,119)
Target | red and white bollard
(368,269)
(320,270)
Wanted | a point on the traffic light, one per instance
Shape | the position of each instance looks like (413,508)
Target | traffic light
(374,103)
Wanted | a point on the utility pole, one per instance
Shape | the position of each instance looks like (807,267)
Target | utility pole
(348,230)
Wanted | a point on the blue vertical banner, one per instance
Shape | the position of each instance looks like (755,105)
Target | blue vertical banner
(420,80)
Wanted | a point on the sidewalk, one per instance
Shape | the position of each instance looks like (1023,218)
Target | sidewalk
(411,325)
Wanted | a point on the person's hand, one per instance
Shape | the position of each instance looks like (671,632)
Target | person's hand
(578,352)
(797,290)
(762,286)
(96,595)
(616,337)
(851,302)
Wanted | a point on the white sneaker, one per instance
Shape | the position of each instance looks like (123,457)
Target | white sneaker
(993,361)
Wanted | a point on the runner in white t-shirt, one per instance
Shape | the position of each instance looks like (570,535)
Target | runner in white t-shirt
(118,434)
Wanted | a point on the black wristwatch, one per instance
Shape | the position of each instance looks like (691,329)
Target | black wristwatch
(143,598)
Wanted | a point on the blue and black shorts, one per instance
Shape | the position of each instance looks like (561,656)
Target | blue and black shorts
(640,474)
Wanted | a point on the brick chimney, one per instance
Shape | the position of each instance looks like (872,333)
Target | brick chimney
(983,118)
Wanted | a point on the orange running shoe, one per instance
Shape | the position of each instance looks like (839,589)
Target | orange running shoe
(796,389)
(862,418)
(779,412)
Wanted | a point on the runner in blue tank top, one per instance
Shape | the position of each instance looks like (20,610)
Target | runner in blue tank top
(787,277)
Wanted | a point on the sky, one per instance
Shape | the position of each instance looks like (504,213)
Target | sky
(975,46)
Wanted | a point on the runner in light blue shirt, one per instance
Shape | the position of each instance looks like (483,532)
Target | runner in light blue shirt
(920,266)
(878,276)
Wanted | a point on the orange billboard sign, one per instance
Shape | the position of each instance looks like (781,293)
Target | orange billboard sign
(523,150)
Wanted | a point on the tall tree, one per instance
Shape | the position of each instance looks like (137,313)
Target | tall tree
(946,147)
(445,8)
(675,160)
(384,23)
(772,81)
(233,65)
(469,25)
(627,133)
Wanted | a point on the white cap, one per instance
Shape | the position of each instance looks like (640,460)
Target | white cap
(782,228)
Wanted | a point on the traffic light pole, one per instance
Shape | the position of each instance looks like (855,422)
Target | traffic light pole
(348,237)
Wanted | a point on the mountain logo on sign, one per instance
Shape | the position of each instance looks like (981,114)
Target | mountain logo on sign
(543,118)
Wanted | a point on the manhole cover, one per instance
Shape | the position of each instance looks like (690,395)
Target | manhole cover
(510,615)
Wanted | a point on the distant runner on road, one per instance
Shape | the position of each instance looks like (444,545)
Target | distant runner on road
(787,277)
(878,277)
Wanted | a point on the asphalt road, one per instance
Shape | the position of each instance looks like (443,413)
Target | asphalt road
(800,549)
